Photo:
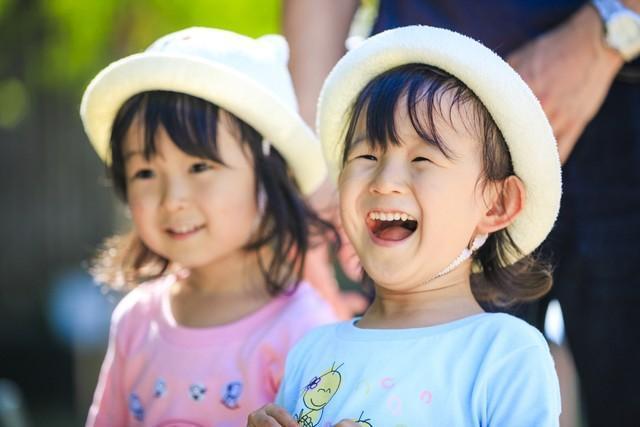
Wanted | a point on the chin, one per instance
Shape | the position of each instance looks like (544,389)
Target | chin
(385,279)
(189,263)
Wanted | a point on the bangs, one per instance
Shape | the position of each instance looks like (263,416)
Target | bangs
(190,122)
(428,94)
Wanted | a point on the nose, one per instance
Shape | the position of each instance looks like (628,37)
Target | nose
(176,194)
(390,178)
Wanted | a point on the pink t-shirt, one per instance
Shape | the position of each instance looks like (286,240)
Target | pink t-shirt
(158,373)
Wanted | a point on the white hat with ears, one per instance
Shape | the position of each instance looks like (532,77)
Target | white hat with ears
(509,100)
(245,76)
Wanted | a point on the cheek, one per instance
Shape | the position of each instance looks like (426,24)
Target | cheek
(450,216)
(142,205)
(141,219)
(350,185)
(236,201)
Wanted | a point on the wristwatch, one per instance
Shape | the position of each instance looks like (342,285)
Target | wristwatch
(621,27)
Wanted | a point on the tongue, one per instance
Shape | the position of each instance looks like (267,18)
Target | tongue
(394,233)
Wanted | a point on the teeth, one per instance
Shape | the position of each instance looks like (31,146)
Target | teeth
(185,229)
(390,216)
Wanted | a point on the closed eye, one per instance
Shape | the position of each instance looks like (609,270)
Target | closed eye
(421,159)
(367,157)
(200,167)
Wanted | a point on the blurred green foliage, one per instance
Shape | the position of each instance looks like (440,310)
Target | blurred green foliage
(13,102)
(62,44)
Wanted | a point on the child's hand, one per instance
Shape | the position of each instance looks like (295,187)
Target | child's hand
(347,423)
(272,415)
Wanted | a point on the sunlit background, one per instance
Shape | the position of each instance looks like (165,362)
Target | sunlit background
(56,206)
(56,203)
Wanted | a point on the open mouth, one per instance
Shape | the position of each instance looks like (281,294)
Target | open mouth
(391,226)
(184,231)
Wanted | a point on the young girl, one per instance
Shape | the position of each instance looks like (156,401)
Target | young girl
(204,144)
(448,174)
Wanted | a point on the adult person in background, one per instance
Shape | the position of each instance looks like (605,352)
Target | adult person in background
(580,59)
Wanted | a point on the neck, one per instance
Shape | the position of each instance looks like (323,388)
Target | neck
(233,275)
(220,293)
(440,300)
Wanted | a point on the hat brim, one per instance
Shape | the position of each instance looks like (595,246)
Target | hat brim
(214,82)
(514,108)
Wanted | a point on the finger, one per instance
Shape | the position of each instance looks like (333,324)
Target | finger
(559,124)
(347,423)
(348,257)
(568,140)
(260,419)
(521,62)
(517,58)
(280,415)
(355,301)
(350,263)
(559,119)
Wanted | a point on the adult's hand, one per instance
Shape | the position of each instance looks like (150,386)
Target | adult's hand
(319,270)
(271,415)
(570,69)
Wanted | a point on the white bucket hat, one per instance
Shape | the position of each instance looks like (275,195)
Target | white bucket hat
(247,77)
(512,105)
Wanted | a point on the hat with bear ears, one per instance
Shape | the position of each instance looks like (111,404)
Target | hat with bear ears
(512,105)
(245,76)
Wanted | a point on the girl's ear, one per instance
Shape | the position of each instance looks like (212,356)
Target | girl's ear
(507,200)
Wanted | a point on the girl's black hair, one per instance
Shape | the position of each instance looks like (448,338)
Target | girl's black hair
(288,223)
(429,93)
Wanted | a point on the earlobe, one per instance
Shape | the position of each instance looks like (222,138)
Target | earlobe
(507,202)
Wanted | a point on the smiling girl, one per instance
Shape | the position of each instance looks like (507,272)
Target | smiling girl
(449,178)
(203,143)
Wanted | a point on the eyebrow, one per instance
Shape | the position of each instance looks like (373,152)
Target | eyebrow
(357,140)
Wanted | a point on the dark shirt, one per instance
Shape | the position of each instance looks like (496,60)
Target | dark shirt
(501,25)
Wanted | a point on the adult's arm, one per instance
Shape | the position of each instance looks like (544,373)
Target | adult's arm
(316,31)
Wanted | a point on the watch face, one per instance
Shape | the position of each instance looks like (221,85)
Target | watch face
(623,33)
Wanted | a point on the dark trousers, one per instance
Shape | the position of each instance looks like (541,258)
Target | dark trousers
(595,247)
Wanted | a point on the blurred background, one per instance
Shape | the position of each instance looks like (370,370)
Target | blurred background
(56,204)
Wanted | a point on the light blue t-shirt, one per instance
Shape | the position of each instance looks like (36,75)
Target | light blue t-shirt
(488,369)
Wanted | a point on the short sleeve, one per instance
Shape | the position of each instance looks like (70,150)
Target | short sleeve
(523,390)
(109,405)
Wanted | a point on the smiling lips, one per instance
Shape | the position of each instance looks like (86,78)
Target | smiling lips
(183,231)
(392,226)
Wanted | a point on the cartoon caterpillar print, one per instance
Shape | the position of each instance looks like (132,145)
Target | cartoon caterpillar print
(317,394)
